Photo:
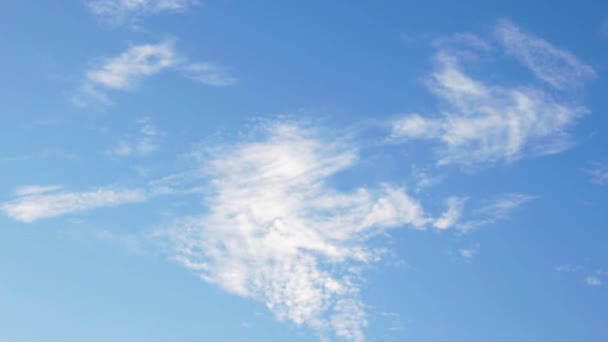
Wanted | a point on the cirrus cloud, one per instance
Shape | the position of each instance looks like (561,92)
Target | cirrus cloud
(485,122)
(275,230)
(138,62)
(116,12)
(34,203)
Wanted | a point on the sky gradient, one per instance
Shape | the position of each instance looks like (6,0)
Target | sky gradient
(183,170)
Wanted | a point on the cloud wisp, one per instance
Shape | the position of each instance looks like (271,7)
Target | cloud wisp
(559,68)
(116,12)
(145,142)
(33,203)
(498,209)
(593,280)
(468,254)
(483,122)
(596,278)
(599,174)
(275,230)
(126,70)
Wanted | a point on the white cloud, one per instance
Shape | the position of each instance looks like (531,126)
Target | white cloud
(503,205)
(118,11)
(33,204)
(559,68)
(276,231)
(468,253)
(138,62)
(498,209)
(415,126)
(452,215)
(593,278)
(209,74)
(566,268)
(599,174)
(145,142)
(26,190)
(423,179)
(486,122)
(593,281)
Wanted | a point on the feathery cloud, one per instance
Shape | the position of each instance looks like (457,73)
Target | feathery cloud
(468,253)
(209,74)
(116,12)
(138,62)
(27,190)
(567,268)
(452,215)
(145,142)
(498,209)
(275,229)
(40,202)
(599,174)
(559,68)
(593,281)
(484,122)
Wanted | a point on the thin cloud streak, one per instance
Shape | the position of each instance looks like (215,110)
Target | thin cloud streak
(559,68)
(30,206)
(498,209)
(116,12)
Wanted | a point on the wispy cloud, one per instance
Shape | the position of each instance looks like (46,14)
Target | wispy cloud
(452,215)
(593,280)
(210,74)
(423,179)
(116,12)
(128,69)
(137,62)
(498,209)
(33,203)
(145,142)
(567,268)
(559,68)
(27,190)
(503,205)
(599,174)
(275,230)
(469,253)
(484,122)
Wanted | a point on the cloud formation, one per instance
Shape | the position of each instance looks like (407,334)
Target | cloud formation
(116,12)
(275,230)
(209,74)
(145,142)
(559,68)
(138,62)
(599,174)
(498,209)
(484,122)
(33,203)
(469,253)
(593,281)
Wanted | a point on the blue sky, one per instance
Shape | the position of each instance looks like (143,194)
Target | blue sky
(236,170)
